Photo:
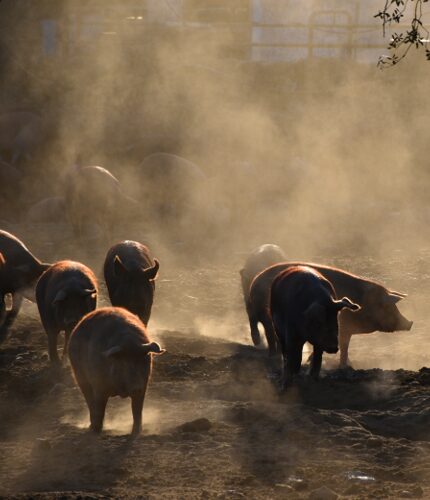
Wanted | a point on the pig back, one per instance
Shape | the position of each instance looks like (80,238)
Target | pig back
(260,259)
(297,287)
(128,251)
(65,277)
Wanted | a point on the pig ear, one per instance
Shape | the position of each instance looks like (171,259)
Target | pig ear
(393,297)
(88,291)
(2,259)
(151,272)
(112,351)
(346,303)
(118,266)
(152,347)
(61,295)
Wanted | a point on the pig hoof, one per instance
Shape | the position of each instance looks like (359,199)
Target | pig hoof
(95,429)
(136,431)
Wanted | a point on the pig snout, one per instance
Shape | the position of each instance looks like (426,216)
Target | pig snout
(405,324)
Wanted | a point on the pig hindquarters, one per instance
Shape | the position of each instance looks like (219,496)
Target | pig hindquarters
(65,293)
(110,354)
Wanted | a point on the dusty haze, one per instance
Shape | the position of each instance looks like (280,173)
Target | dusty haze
(326,158)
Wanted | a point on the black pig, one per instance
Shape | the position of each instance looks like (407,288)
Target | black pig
(129,274)
(65,293)
(110,354)
(304,309)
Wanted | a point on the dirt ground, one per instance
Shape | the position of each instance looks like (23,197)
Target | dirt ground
(214,424)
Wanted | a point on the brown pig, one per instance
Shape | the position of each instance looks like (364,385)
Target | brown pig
(378,312)
(65,293)
(110,353)
(130,275)
(19,271)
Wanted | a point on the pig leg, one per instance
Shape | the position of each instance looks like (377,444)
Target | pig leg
(66,343)
(316,363)
(253,324)
(3,315)
(292,363)
(97,412)
(52,346)
(11,315)
(136,408)
(344,339)
(269,330)
(255,334)
(86,389)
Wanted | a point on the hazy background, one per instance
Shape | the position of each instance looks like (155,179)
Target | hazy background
(324,155)
(318,153)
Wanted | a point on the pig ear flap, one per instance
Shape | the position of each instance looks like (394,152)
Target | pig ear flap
(118,266)
(151,272)
(152,347)
(89,292)
(346,303)
(394,297)
(61,295)
(113,351)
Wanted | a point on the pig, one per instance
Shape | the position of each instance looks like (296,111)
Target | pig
(261,258)
(94,195)
(111,355)
(47,210)
(130,275)
(19,272)
(170,185)
(65,293)
(378,312)
(304,309)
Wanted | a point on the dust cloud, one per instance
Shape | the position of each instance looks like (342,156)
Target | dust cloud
(335,165)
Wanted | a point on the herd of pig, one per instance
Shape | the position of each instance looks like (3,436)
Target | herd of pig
(109,349)
(93,201)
